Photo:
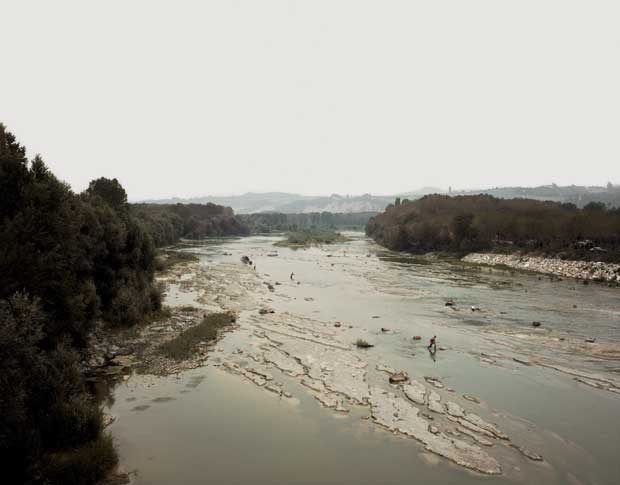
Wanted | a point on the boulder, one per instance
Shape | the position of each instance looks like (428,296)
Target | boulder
(399,377)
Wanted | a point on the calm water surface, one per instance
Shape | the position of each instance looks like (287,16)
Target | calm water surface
(206,426)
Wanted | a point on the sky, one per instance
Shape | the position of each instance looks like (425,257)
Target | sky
(189,98)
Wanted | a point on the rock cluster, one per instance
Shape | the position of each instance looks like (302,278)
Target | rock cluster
(585,270)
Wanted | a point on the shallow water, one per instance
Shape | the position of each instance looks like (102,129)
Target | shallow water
(209,426)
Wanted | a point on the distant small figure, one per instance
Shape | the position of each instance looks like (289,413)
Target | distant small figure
(254,267)
(433,344)
(292,274)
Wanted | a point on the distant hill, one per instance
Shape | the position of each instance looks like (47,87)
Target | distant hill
(287,203)
(251,203)
(580,195)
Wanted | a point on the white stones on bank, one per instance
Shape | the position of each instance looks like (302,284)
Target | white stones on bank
(434,403)
(416,392)
(586,270)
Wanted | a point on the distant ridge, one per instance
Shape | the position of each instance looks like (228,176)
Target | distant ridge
(290,203)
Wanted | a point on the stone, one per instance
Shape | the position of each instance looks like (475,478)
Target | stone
(399,416)
(527,453)
(385,368)
(471,398)
(434,381)
(474,436)
(399,377)
(455,410)
(434,403)
(415,392)
(481,423)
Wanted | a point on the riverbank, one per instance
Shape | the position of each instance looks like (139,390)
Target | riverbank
(584,270)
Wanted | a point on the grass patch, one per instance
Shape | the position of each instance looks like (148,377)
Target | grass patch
(311,237)
(189,309)
(362,344)
(183,345)
(84,465)
(168,259)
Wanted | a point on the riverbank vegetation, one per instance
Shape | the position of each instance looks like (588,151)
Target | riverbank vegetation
(262,223)
(168,259)
(183,345)
(66,261)
(167,223)
(312,236)
(464,224)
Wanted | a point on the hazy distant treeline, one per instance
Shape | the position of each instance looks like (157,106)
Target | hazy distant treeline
(483,222)
(579,195)
(168,223)
(269,222)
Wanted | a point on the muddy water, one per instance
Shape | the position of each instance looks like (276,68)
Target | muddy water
(210,426)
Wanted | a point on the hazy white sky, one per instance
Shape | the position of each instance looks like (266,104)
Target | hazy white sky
(218,97)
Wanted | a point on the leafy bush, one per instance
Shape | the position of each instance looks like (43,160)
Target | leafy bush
(88,463)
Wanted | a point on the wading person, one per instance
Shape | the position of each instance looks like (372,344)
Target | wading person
(432,346)
(292,274)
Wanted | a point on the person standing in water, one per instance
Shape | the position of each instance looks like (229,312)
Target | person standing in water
(292,274)
(433,344)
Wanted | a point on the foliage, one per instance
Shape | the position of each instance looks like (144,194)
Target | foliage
(86,464)
(65,260)
(184,344)
(44,405)
(311,236)
(111,191)
(279,222)
(167,223)
(483,222)
(168,259)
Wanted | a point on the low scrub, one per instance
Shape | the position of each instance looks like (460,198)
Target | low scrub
(169,259)
(184,345)
(312,237)
(88,463)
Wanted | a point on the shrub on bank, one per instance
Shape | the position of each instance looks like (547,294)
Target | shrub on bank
(184,344)
(88,463)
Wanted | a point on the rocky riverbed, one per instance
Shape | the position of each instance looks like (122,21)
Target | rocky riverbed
(491,401)
(584,270)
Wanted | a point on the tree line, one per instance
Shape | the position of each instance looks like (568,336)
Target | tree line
(483,222)
(67,261)
(167,223)
(281,222)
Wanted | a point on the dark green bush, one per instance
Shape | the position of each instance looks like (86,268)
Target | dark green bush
(86,464)
(184,344)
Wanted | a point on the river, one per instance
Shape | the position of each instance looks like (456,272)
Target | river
(215,425)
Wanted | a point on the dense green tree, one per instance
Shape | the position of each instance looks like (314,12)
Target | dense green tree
(111,191)
(468,223)
(65,260)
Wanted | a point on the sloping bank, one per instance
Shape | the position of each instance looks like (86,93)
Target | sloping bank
(585,270)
